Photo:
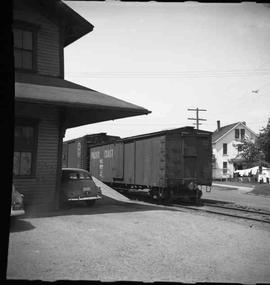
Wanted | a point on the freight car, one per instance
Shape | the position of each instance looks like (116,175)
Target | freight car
(75,152)
(172,164)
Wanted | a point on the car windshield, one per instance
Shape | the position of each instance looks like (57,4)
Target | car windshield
(77,176)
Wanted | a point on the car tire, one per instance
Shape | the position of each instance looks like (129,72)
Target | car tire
(63,203)
(90,202)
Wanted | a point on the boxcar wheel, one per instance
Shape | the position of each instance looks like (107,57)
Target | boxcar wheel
(197,197)
(90,202)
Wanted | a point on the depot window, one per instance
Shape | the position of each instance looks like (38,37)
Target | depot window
(24,48)
(25,146)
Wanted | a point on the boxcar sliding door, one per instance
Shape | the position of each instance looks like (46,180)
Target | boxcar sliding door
(189,151)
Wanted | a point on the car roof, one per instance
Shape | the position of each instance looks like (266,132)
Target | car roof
(74,169)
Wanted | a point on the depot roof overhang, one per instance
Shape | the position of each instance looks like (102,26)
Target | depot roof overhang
(79,104)
(74,25)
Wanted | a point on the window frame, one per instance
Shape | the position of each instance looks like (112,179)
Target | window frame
(25,122)
(240,148)
(29,27)
(225,148)
(236,131)
(225,169)
(242,134)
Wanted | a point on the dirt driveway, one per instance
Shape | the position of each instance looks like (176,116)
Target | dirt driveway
(238,196)
(127,241)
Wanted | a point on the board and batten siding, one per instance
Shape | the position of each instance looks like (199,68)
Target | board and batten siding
(174,157)
(48,40)
(40,190)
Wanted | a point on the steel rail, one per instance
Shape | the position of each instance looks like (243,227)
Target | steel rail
(225,213)
(218,212)
(238,209)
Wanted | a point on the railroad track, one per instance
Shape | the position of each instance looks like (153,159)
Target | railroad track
(253,215)
(224,210)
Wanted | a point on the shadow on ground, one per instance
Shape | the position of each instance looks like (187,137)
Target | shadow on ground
(214,202)
(105,205)
(19,225)
(200,203)
(223,188)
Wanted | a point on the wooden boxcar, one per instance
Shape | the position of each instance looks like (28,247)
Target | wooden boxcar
(171,164)
(75,152)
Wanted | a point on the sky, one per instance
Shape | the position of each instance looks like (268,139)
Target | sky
(170,57)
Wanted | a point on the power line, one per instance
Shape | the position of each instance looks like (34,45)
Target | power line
(197,117)
(173,74)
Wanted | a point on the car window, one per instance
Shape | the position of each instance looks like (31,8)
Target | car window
(79,176)
(86,176)
(73,176)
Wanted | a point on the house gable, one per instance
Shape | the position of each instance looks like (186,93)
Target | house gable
(224,131)
(225,149)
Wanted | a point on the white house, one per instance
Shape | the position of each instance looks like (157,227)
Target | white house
(226,142)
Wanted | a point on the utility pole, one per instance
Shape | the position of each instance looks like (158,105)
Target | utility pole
(197,117)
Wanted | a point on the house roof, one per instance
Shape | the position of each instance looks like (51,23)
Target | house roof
(224,130)
(82,105)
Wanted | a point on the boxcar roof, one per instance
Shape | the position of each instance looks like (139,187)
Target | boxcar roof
(187,129)
(165,132)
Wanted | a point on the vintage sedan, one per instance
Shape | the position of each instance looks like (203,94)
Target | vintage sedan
(78,185)
(17,206)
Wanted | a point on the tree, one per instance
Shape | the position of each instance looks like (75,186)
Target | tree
(251,153)
(264,142)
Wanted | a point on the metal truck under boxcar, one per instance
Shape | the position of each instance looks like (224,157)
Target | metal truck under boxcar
(171,164)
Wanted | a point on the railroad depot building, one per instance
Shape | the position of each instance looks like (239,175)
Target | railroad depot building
(45,103)
(226,145)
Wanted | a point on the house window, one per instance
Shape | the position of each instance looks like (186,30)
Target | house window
(225,167)
(240,147)
(242,134)
(24,149)
(23,49)
(237,133)
(225,148)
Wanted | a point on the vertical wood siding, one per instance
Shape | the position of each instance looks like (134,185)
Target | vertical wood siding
(174,157)
(40,190)
(48,40)
(150,161)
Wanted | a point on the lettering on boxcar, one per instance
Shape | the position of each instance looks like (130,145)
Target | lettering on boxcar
(95,155)
(101,168)
(79,149)
(108,153)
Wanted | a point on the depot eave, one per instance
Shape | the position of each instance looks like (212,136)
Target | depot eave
(81,105)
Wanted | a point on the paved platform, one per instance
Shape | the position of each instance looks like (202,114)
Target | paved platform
(118,241)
